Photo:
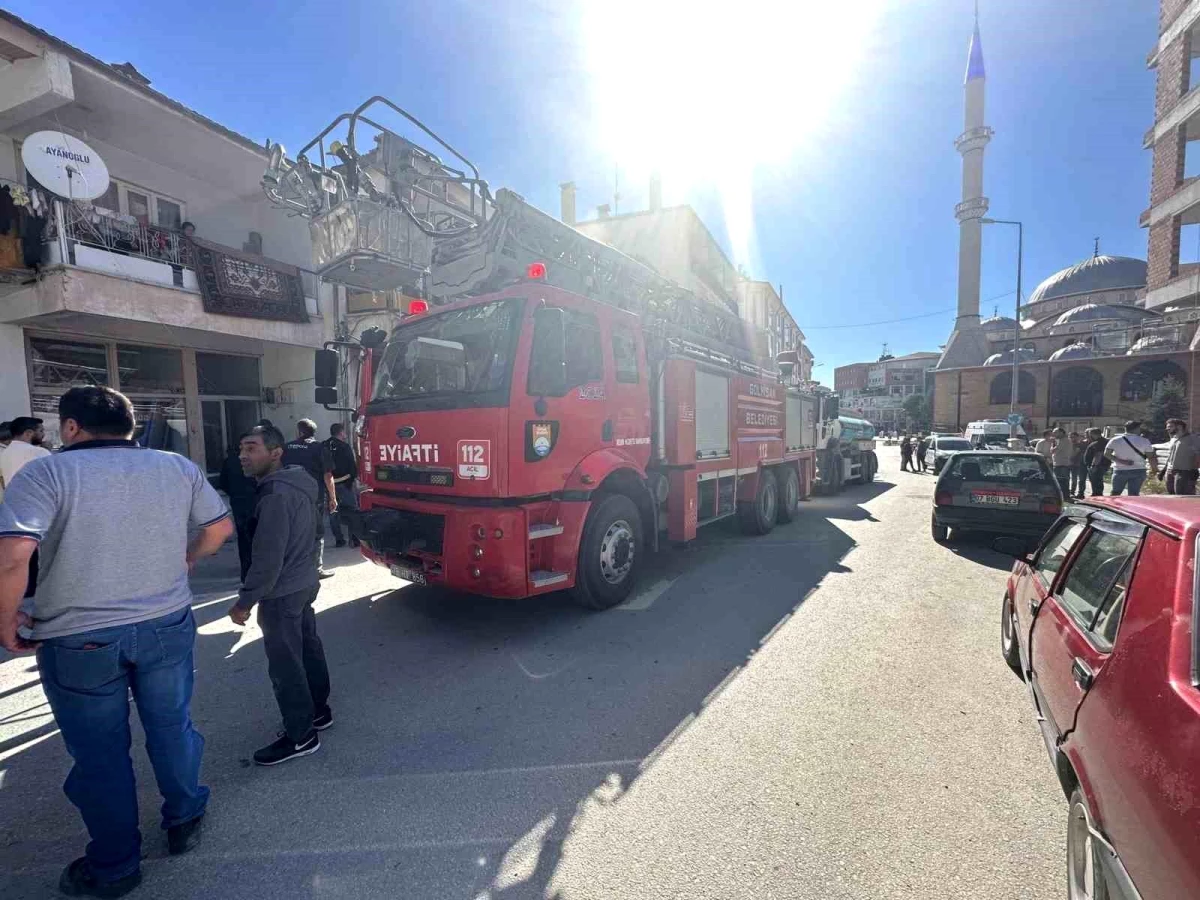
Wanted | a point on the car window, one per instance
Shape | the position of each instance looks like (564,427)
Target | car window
(585,359)
(953,444)
(625,355)
(1006,468)
(1088,586)
(1057,548)
(1104,630)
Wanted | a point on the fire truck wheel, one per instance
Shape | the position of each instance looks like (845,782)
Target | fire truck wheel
(608,553)
(759,517)
(789,494)
(870,467)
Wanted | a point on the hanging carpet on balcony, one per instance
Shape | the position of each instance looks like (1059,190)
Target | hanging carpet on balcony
(233,283)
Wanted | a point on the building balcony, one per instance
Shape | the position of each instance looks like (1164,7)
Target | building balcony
(96,265)
(1185,113)
(1185,19)
(1183,202)
(1180,290)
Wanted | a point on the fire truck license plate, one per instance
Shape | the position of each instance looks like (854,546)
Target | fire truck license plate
(408,573)
(995,499)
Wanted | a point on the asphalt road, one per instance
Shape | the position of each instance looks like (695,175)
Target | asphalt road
(819,713)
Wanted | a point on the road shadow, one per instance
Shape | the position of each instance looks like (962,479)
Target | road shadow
(847,505)
(469,732)
(976,546)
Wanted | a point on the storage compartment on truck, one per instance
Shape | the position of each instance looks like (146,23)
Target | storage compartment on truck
(712,414)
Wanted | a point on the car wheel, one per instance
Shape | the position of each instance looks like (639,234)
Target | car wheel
(941,533)
(1085,870)
(1008,636)
(609,553)
(758,517)
(789,494)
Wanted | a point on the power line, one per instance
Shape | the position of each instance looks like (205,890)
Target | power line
(940,312)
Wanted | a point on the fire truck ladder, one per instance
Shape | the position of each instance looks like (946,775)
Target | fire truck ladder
(396,217)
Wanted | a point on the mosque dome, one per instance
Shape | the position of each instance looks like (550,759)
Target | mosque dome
(1072,351)
(999,323)
(1093,312)
(1095,274)
(1006,357)
(1152,343)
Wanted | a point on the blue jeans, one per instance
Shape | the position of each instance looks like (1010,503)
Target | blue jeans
(88,678)
(1130,478)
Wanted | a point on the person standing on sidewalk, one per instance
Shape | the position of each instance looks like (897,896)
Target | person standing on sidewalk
(241,491)
(283,582)
(26,435)
(345,474)
(1061,452)
(1129,453)
(1094,460)
(112,617)
(313,457)
(1183,459)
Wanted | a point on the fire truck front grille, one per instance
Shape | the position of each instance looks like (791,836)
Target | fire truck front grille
(401,531)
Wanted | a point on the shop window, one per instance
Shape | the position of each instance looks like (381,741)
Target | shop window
(367,301)
(149,370)
(228,375)
(57,366)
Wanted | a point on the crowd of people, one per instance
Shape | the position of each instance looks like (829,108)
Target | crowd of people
(74,525)
(1083,460)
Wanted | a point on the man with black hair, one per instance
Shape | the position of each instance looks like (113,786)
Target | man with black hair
(313,457)
(1129,453)
(26,435)
(112,617)
(345,473)
(283,582)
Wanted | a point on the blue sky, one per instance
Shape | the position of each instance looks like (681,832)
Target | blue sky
(854,217)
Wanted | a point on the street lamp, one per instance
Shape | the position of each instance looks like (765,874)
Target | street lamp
(1012,406)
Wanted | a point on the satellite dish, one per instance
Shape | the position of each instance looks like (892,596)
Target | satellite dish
(65,165)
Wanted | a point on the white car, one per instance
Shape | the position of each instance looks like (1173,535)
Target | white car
(945,447)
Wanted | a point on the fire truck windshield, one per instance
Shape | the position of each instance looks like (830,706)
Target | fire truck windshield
(451,356)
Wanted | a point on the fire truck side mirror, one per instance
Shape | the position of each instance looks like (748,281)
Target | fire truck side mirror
(326,396)
(326,371)
(548,359)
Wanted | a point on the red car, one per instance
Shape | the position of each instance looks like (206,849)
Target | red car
(1100,623)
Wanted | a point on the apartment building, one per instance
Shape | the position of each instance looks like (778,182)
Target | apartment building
(205,335)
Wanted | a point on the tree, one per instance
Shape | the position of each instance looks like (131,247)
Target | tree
(916,407)
(1169,402)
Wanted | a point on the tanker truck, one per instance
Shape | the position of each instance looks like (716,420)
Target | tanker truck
(845,453)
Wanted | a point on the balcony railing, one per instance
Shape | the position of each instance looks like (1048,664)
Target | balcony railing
(85,224)
(80,234)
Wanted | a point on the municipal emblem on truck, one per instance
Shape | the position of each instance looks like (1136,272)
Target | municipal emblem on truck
(541,438)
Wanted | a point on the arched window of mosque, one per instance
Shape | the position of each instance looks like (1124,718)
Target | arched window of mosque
(1077,391)
(1000,391)
(1144,380)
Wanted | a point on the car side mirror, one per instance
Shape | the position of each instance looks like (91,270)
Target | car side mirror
(1014,547)
(325,371)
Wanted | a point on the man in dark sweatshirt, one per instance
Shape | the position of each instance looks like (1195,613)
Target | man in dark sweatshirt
(282,579)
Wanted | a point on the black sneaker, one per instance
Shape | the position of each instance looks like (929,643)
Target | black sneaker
(321,721)
(284,749)
(78,880)
(182,838)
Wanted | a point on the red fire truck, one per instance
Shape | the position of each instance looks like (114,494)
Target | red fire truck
(558,411)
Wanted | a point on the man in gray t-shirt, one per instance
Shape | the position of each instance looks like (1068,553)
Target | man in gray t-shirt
(112,616)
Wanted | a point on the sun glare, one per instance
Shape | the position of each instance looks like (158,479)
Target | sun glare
(706,92)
